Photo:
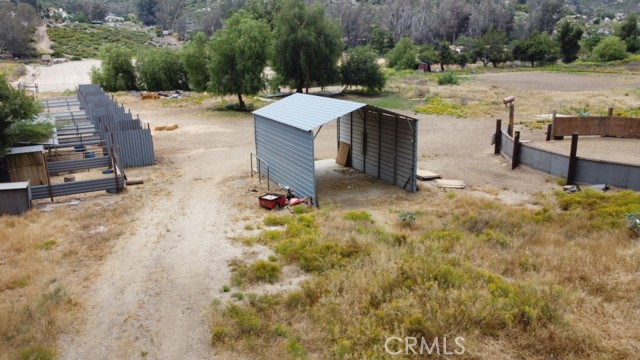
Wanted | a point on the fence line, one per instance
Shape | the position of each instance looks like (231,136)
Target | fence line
(588,171)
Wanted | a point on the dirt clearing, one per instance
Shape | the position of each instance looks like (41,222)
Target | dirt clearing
(550,81)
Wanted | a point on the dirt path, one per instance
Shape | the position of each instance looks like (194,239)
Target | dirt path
(43,43)
(153,294)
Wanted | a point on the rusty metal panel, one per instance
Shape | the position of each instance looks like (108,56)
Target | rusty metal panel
(621,127)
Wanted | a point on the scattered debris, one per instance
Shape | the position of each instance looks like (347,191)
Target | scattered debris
(50,207)
(425,175)
(150,96)
(69,178)
(170,127)
(570,189)
(135,181)
(450,184)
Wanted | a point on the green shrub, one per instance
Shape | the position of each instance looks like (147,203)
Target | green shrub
(245,319)
(610,49)
(448,78)
(161,69)
(437,106)
(268,271)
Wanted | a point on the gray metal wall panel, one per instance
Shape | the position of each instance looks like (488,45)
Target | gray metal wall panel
(386,157)
(587,170)
(287,153)
(79,164)
(76,187)
(134,147)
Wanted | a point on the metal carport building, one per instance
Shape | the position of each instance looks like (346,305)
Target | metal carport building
(383,144)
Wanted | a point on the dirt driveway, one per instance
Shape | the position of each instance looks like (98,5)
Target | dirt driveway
(59,77)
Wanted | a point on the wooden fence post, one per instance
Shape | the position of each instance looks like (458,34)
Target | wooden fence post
(549,129)
(553,126)
(571,173)
(498,139)
(610,113)
(515,157)
(512,111)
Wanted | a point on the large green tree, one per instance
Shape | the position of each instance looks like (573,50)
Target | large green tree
(630,34)
(239,56)
(17,112)
(161,69)
(360,68)
(17,23)
(569,38)
(539,47)
(117,72)
(492,48)
(403,55)
(195,57)
(306,45)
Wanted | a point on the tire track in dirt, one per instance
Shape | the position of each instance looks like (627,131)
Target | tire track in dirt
(153,295)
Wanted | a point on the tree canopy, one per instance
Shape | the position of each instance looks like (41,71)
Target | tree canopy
(195,58)
(610,48)
(17,23)
(360,68)
(306,45)
(238,56)
(17,112)
(403,55)
(117,72)
(161,69)
(569,38)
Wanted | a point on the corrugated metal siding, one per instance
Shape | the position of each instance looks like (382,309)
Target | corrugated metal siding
(79,164)
(390,153)
(287,152)
(307,112)
(134,147)
(77,187)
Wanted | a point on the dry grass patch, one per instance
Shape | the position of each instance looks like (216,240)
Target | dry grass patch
(43,261)
(556,282)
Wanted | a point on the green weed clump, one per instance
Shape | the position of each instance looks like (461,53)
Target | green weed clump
(37,353)
(357,216)
(600,210)
(275,220)
(437,106)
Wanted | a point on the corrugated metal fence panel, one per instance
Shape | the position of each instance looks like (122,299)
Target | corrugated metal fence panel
(407,154)
(79,164)
(288,154)
(76,187)
(357,141)
(134,147)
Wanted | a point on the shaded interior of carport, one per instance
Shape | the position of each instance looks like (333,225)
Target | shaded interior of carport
(381,143)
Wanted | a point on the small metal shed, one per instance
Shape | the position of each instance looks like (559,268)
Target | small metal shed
(15,198)
(383,144)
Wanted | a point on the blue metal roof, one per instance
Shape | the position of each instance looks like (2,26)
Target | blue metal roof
(307,112)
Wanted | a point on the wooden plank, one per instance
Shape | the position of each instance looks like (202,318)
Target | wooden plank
(451,184)
(427,175)
(343,154)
